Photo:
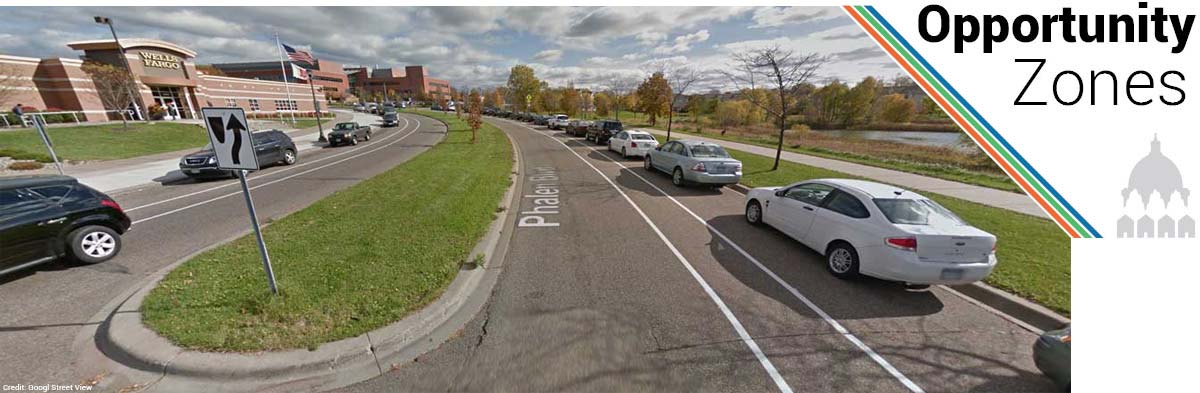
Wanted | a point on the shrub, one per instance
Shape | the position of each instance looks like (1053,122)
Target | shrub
(25,165)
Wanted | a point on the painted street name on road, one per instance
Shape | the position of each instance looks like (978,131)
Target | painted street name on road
(544,198)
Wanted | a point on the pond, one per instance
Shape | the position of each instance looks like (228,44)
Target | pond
(941,139)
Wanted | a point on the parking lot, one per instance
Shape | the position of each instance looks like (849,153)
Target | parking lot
(646,286)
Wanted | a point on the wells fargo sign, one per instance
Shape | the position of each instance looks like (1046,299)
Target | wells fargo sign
(159,60)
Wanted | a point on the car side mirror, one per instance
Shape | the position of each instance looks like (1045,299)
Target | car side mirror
(780,193)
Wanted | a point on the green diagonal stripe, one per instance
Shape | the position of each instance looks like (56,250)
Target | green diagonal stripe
(1054,203)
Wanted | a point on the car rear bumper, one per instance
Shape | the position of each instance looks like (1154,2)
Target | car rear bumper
(899,265)
(638,151)
(708,178)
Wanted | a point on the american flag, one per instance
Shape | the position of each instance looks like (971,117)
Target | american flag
(298,55)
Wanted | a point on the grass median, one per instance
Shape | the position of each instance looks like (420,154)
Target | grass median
(103,142)
(352,262)
(1034,254)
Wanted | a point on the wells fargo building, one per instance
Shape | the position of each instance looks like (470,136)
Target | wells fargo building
(166,76)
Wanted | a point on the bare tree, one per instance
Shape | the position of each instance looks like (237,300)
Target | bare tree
(113,85)
(621,85)
(777,69)
(679,77)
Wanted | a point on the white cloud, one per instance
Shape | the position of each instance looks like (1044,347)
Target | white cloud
(549,55)
(683,43)
(778,16)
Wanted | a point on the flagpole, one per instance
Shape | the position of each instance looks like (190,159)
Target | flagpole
(316,107)
(279,45)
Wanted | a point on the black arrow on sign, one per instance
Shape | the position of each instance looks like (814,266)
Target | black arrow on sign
(217,127)
(236,127)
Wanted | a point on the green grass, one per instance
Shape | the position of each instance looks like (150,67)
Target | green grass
(352,262)
(103,142)
(1034,254)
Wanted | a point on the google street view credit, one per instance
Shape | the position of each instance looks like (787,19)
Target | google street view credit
(513,199)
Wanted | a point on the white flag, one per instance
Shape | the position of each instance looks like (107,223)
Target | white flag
(299,72)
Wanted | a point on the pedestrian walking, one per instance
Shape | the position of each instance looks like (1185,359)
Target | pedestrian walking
(17,110)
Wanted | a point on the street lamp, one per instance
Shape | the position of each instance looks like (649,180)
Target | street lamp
(104,20)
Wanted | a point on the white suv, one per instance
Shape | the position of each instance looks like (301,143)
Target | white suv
(558,122)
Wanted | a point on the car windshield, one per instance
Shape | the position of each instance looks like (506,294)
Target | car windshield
(641,137)
(344,126)
(709,151)
(614,126)
(916,212)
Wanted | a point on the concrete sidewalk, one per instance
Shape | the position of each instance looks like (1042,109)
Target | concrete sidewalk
(988,196)
(164,167)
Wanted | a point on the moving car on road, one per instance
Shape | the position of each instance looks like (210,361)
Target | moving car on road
(1052,355)
(43,218)
(601,130)
(578,127)
(391,119)
(878,230)
(694,162)
(558,122)
(632,143)
(348,133)
(271,146)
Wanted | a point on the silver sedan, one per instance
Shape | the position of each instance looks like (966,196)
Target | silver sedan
(695,162)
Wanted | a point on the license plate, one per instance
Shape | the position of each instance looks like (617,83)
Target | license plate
(952,274)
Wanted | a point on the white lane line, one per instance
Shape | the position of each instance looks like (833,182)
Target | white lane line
(712,294)
(282,178)
(248,179)
(908,383)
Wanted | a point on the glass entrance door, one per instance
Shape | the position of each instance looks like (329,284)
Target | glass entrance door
(171,100)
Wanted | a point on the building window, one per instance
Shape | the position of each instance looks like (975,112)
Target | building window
(230,102)
(286,105)
(254,105)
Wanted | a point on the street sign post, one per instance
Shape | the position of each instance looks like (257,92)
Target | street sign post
(40,124)
(234,147)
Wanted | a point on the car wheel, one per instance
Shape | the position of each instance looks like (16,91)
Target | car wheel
(367,137)
(354,141)
(842,261)
(289,157)
(623,155)
(94,244)
(677,177)
(754,213)
(647,165)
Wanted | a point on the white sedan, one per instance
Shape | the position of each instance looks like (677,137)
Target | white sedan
(632,143)
(878,230)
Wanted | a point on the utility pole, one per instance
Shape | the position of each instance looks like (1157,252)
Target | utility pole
(134,98)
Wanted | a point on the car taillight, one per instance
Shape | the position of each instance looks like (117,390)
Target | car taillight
(632,144)
(111,203)
(903,243)
(994,246)
(699,167)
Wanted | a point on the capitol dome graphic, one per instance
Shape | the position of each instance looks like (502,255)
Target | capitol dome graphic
(1156,175)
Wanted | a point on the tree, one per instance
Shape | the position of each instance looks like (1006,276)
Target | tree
(604,103)
(522,84)
(897,109)
(570,100)
(778,69)
(860,102)
(679,79)
(830,102)
(654,97)
(474,104)
(620,86)
(113,86)
(731,113)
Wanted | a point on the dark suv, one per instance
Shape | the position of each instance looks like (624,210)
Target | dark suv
(272,146)
(601,130)
(43,218)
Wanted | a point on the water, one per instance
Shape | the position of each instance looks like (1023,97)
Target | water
(939,139)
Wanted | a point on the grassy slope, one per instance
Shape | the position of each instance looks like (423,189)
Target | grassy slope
(1034,254)
(355,261)
(103,142)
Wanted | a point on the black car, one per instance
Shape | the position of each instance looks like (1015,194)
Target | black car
(43,218)
(601,130)
(539,120)
(391,119)
(272,146)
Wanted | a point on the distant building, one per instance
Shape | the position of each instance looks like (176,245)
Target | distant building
(166,77)
(327,75)
(411,82)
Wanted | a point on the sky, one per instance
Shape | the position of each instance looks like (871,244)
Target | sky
(473,46)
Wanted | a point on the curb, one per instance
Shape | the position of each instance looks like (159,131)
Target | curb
(1032,316)
(123,339)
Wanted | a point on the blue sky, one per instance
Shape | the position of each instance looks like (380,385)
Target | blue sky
(473,46)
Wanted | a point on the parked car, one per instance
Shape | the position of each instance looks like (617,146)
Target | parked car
(694,162)
(601,130)
(43,218)
(878,230)
(558,122)
(391,119)
(359,107)
(271,146)
(436,107)
(348,133)
(1052,355)
(539,120)
(632,143)
(578,127)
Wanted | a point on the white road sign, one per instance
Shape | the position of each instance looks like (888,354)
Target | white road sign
(230,137)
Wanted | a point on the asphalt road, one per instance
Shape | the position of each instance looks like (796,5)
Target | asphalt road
(643,286)
(43,309)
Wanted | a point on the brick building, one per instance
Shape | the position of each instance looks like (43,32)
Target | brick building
(327,75)
(411,82)
(165,75)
